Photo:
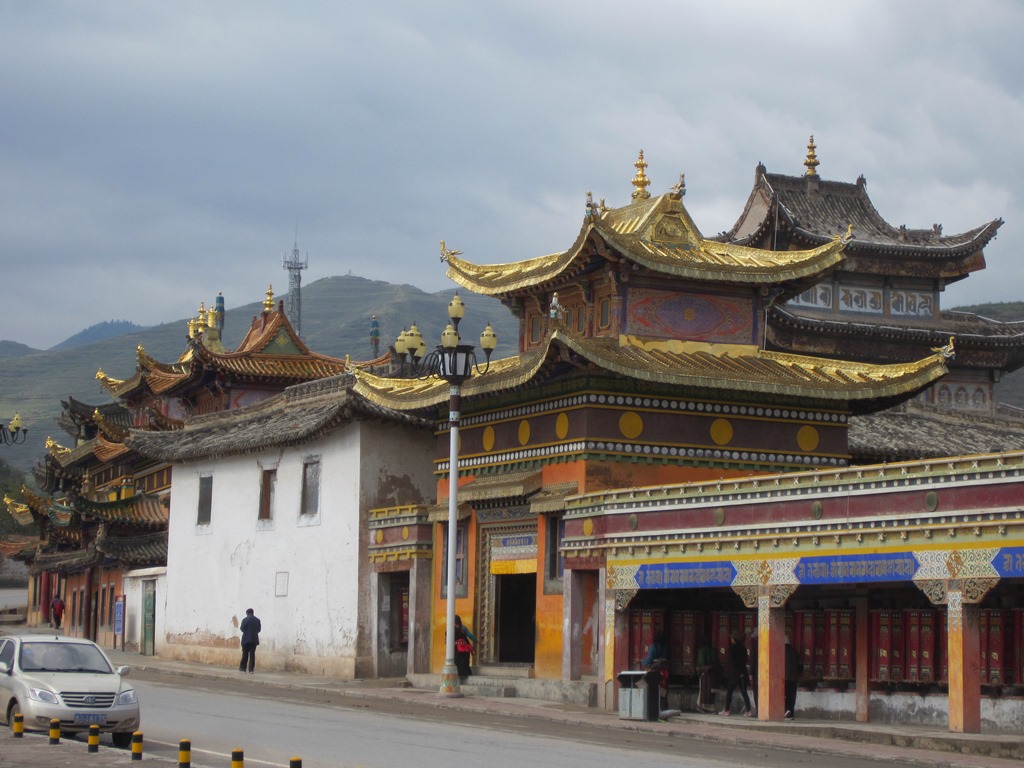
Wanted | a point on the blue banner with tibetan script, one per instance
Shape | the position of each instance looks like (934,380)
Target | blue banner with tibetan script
(1009,562)
(685,575)
(844,569)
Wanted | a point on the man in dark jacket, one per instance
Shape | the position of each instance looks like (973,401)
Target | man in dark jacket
(250,627)
(736,674)
(794,666)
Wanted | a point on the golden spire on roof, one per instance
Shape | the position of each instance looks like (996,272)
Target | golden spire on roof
(268,303)
(192,328)
(812,159)
(201,322)
(640,181)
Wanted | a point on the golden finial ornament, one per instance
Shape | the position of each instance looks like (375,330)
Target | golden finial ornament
(640,181)
(812,159)
(268,303)
(192,328)
(201,322)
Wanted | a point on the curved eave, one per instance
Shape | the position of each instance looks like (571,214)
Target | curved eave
(707,261)
(145,510)
(261,365)
(688,366)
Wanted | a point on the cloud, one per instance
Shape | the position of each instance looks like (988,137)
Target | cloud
(153,155)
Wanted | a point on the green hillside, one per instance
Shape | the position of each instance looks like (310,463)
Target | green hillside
(336,314)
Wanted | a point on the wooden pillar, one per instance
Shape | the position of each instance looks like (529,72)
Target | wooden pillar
(572,625)
(44,596)
(964,664)
(617,638)
(862,701)
(771,660)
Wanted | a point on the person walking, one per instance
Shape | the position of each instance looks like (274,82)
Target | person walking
(464,640)
(794,667)
(57,610)
(736,674)
(251,629)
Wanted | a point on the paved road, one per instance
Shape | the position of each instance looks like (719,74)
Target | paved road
(271,727)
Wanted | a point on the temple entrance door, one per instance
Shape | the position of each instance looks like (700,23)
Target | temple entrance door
(516,614)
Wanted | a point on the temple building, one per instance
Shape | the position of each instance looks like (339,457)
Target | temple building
(883,303)
(644,376)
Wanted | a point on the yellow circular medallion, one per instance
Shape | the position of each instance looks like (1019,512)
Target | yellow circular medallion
(524,432)
(588,527)
(721,431)
(631,425)
(562,426)
(405,533)
(807,438)
(378,536)
(488,438)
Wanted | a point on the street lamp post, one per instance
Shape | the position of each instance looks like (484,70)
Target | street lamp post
(14,433)
(453,362)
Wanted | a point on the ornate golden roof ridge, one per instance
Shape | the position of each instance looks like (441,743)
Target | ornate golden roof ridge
(659,235)
(684,364)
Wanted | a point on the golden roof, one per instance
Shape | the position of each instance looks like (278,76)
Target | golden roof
(689,365)
(657,234)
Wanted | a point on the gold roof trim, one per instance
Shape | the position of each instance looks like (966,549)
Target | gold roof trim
(438,513)
(657,234)
(552,498)
(719,367)
(504,486)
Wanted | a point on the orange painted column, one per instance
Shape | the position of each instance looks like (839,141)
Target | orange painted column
(862,700)
(964,664)
(771,660)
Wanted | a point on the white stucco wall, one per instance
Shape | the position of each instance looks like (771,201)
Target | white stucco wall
(305,576)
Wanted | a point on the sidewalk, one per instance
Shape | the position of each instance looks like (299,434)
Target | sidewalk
(901,744)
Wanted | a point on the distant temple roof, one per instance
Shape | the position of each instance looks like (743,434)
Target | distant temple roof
(811,210)
(271,352)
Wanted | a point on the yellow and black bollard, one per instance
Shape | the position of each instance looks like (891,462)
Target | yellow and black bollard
(137,745)
(94,738)
(184,753)
(237,759)
(55,731)
(295,762)
(18,726)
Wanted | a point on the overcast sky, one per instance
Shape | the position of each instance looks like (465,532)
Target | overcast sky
(155,153)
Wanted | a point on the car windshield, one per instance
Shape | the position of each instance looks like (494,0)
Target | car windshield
(62,657)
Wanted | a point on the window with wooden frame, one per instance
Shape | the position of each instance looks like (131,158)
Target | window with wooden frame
(554,560)
(268,486)
(310,504)
(205,506)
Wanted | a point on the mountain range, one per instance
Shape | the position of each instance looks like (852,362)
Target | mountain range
(336,318)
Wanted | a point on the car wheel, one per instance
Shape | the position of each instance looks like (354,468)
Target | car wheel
(121,739)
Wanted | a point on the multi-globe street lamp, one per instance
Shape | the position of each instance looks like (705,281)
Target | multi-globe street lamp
(15,432)
(455,363)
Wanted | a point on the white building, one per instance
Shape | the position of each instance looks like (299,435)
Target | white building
(269,510)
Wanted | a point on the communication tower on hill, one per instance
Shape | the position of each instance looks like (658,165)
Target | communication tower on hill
(293,305)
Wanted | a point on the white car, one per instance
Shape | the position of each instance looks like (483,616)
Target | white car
(67,678)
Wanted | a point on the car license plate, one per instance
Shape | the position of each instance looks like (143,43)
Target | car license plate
(84,719)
